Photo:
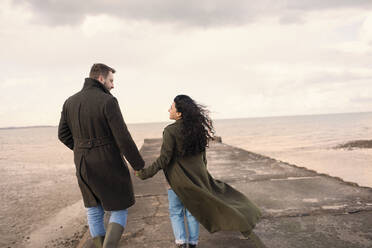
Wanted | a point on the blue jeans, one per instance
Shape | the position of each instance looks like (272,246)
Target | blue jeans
(95,219)
(177,212)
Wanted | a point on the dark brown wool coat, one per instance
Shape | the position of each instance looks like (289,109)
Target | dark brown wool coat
(215,204)
(92,126)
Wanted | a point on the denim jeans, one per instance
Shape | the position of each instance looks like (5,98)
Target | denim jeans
(177,212)
(95,219)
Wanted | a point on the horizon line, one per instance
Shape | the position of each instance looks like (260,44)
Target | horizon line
(234,118)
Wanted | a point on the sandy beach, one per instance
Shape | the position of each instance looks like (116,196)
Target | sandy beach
(40,199)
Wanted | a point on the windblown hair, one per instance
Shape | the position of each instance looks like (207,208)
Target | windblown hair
(197,127)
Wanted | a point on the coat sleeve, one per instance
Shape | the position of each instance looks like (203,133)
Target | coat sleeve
(149,171)
(166,154)
(166,151)
(64,132)
(121,134)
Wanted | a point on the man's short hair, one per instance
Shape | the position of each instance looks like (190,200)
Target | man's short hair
(100,69)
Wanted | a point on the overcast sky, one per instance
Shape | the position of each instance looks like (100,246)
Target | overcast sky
(241,59)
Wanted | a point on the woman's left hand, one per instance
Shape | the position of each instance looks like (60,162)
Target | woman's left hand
(139,174)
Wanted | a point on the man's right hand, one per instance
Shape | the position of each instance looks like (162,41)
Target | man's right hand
(140,174)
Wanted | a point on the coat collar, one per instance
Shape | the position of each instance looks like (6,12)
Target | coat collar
(90,82)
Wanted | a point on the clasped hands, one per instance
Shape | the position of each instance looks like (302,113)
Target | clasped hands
(139,174)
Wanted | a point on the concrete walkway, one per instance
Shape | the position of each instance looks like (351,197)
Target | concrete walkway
(301,207)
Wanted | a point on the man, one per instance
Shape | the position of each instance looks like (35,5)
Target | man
(92,126)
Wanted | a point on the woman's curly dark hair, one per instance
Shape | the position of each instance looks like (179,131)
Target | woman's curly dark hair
(197,128)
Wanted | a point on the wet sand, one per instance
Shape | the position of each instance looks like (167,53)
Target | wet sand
(40,200)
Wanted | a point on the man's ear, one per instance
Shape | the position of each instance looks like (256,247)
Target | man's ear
(101,78)
(179,114)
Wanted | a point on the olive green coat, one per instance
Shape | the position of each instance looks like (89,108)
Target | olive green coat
(216,205)
(92,125)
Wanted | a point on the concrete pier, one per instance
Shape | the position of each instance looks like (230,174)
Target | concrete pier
(301,208)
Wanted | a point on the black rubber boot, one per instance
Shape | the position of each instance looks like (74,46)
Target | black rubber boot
(181,245)
(113,235)
(98,241)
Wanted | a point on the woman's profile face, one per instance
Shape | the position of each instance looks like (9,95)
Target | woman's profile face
(173,114)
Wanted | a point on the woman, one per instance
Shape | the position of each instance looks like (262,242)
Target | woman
(216,205)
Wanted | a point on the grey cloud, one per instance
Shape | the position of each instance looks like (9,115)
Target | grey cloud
(292,18)
(191,12)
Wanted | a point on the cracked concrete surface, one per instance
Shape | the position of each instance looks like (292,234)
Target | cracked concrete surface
(301,208)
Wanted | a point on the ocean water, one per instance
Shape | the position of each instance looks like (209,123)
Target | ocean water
(307,141)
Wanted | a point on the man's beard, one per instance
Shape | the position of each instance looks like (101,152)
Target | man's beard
(105,84)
